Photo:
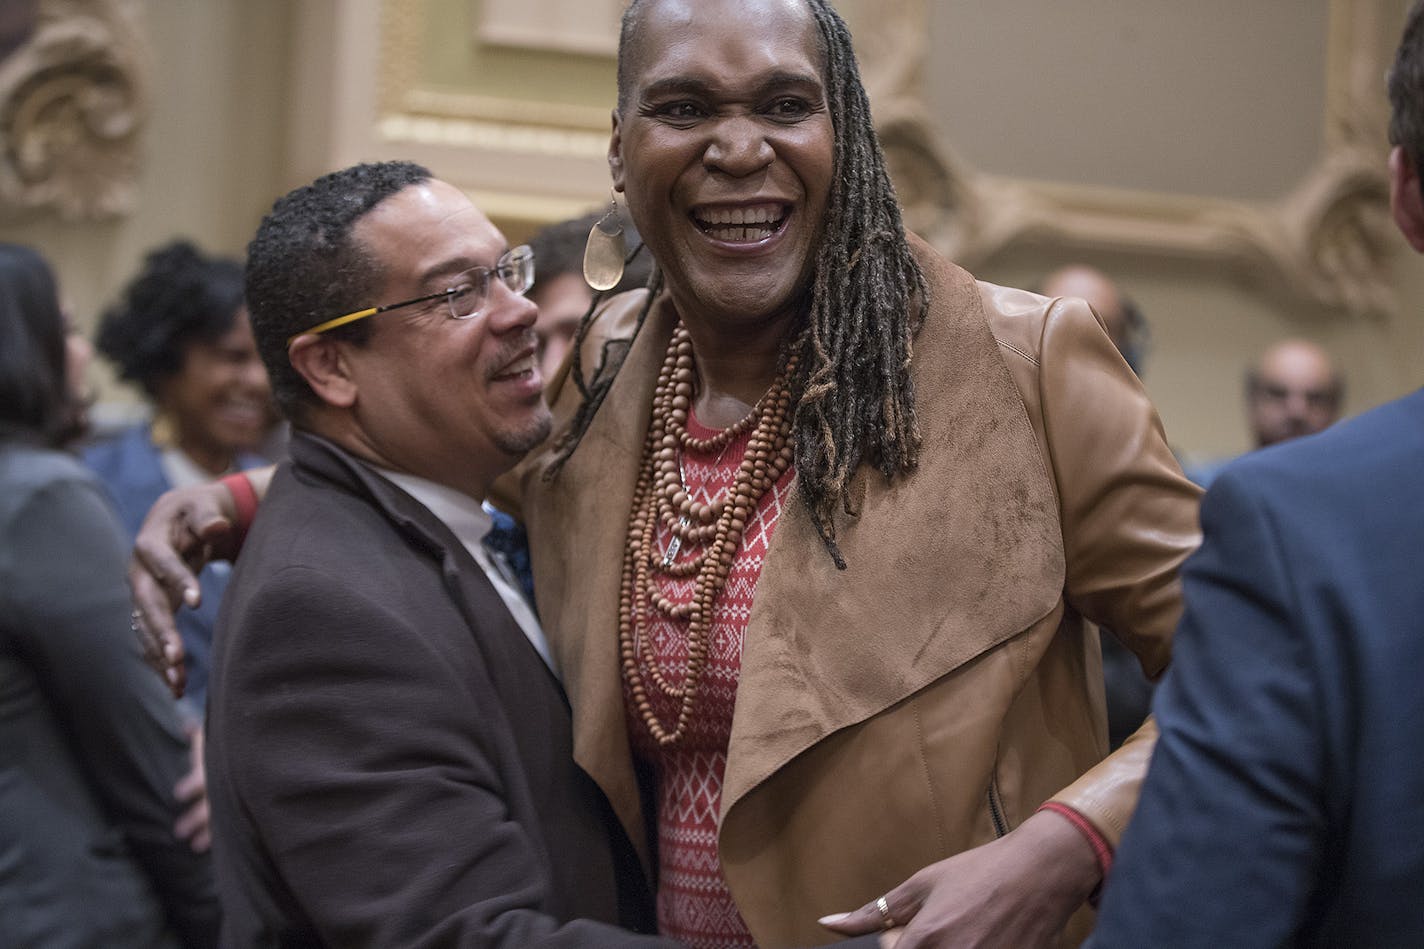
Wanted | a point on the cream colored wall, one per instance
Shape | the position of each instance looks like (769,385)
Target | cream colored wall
(1214,98)
(251,97)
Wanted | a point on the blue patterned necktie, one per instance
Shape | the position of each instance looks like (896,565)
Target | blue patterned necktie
(507,541)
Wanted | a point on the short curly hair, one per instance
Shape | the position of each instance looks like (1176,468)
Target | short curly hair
(180,297)
(303,267)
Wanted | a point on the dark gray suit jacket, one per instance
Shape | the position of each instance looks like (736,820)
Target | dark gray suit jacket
(90,743)
(389,759)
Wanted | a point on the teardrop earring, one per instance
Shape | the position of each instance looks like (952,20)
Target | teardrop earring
(606,251)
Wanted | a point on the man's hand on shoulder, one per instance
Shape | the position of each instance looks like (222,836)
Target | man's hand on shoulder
(185,529)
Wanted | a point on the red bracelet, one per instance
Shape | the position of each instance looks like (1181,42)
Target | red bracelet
(1102,850)
(245,500)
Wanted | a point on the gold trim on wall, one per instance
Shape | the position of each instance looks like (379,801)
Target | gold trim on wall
(562,25)
(547,158)
(73,96)
(401,93)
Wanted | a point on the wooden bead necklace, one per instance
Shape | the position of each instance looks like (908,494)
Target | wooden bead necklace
(662,498)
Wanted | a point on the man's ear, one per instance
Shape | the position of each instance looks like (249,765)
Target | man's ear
(323,363)
(1405,200)
(615,153)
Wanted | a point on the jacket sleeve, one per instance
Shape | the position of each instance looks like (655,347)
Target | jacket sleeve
(73,603)
(1129,520)
(361,768)
(1240,758)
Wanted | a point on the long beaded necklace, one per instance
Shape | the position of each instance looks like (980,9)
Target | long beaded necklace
(661,498)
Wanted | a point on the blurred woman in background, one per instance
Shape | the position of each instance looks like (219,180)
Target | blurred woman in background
(180,333)
(90,743)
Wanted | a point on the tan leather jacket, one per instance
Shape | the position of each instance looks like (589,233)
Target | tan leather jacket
(942,687)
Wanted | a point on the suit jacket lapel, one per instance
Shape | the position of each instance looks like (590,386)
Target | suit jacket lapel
(494,630)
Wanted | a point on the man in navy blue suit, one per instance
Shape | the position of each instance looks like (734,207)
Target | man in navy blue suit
(1285,802)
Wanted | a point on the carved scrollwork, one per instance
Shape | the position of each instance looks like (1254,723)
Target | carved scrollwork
(1337,235)
(1326,245)
(72,100)
(937,196)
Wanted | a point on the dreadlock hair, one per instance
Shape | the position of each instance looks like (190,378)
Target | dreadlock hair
(852,389)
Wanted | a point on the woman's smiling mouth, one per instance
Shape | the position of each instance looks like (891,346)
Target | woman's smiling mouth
(741,225)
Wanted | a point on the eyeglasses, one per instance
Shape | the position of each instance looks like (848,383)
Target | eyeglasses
(466,298)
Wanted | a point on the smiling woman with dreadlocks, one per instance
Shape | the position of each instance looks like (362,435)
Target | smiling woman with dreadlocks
(870,503)
(824,520)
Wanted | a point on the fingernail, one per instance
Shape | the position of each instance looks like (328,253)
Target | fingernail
(170,652)
(832,919)
(190,596)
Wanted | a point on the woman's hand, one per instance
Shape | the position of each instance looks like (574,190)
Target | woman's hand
(1016,892)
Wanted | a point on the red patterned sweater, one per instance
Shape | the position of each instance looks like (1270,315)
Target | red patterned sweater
(694,905)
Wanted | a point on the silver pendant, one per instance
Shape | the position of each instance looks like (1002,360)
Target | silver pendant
(675,546)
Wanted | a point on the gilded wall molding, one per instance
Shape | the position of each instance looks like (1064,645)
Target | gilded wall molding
(402,96)
(1325,244)
(527,159)
(73,96)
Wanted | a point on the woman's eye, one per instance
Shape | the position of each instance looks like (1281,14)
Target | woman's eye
(680,111)
(789,108)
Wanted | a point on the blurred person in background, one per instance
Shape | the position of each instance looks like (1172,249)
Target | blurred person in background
(92,745)
(1126,326)
(179,331)
(1293,389)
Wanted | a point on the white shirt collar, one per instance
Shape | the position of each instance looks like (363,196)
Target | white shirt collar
(466,517)
(470,522)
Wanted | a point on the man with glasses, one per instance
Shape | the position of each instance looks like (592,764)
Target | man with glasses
(389,754)
(1294,389)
